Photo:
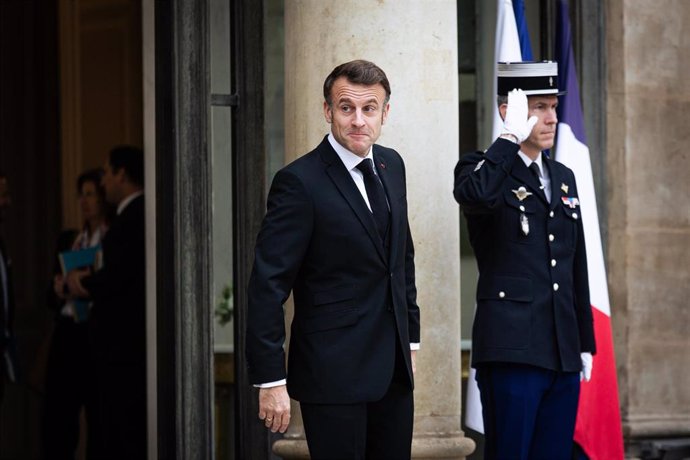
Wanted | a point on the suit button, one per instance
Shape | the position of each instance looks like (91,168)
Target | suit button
(555,286)
(501,294)
(522,208)
(551,237)
(553,262)
(551,214)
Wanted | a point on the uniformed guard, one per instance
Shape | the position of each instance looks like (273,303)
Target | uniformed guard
(533,337)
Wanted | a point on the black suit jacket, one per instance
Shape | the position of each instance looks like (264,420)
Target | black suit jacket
(532,295)
(117,321)
(355,300)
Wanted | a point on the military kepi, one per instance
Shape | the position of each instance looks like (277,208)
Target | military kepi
(534,78)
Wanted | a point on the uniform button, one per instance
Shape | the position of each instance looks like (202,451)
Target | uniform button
(391,274)
(501,294)
(553,262)
(555,286)
(551,237)
(522,208)
(551,214)
(575,215)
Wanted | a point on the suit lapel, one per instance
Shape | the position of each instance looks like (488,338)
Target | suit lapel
(556,181)
(391,193)
(343,181)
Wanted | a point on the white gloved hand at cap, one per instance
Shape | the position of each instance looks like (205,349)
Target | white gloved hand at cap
(587,365)
(516,122)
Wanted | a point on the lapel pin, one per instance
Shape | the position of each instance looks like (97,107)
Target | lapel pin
(564,188)
(521,193)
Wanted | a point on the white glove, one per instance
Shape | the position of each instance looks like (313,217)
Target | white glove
(587,364)
(516,123)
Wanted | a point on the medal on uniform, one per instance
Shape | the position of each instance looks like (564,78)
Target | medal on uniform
(521,193)
(524,224)
(564,188)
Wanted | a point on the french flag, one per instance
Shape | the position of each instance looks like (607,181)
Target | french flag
(598,428)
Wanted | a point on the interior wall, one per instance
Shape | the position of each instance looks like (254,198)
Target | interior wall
(100,86)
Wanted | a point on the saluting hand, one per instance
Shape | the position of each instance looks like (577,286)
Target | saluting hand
(516,122)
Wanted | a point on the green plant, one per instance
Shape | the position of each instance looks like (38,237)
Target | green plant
(224,307)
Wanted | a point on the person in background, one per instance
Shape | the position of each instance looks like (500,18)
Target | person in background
(8,361)
(117,325)
(68,385)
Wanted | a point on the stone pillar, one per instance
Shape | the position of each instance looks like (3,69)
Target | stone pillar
(415,43)
(649,217)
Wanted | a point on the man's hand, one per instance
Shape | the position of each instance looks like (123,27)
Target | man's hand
(73,282)
(274,408)
(516,123)
(413,360)
(587,365)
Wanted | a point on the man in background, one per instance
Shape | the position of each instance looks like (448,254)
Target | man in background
(8,369)
(117,323)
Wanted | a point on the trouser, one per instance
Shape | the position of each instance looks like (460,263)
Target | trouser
(529,412)
(369,430)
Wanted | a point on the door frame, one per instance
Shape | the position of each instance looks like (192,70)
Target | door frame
(183,317)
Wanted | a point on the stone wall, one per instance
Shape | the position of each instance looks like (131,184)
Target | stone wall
(648,48)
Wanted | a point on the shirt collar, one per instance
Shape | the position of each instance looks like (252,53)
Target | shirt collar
(349,159)
(528,161)
(123,204)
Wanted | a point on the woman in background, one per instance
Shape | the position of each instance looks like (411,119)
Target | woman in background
(67,374)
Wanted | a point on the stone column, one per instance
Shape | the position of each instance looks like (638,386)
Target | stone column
(649,218)
(415,43)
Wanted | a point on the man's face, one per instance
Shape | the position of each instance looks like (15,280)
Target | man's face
(544,132)
(356,115)
(111,183)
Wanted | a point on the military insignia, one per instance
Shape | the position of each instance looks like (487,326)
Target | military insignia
(521,193)
(564,188)
(524,224)
(550,81)
(479,165)
(570,201)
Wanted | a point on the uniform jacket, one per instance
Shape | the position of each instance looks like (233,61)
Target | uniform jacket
(532,295)
(355,300)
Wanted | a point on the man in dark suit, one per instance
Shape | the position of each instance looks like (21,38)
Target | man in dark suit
(336,234)
(533,334)
(8,364)
(117,322)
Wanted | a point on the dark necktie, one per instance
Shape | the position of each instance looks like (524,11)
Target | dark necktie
(534,167)
(376,195)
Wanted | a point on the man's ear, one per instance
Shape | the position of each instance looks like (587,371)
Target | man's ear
(384,115)
(502,110)
(327,112)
